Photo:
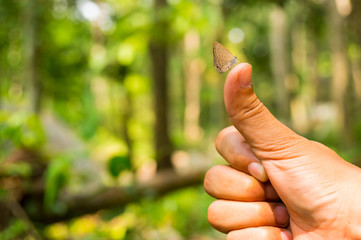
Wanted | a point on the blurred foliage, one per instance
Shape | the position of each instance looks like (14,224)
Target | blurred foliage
(56,177)
(19,130)
(17,230)
(96,123)
(117,164)
(182,214)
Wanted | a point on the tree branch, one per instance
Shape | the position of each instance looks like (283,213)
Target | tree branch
(77,205)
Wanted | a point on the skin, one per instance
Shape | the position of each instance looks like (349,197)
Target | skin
(302,189)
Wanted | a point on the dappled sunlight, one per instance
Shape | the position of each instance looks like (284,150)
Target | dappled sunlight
(109,110)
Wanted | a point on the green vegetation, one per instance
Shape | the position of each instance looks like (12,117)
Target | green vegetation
(109,109)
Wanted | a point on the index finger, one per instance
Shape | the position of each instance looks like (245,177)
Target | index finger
(236,151)
(225,182)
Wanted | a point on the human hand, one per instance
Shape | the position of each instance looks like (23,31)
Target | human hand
(318,188)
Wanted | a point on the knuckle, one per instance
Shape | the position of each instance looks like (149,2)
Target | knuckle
(219,140)
(232,236)
(214,215)
(215,172)
(213,179)
(221,135)
(207,183)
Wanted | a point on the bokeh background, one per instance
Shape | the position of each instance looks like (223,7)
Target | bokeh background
(109,109)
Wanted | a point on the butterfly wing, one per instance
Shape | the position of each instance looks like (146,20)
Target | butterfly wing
(222,58)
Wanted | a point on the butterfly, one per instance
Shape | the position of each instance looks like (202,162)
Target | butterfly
(222,58)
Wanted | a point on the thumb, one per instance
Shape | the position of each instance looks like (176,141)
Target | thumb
(264,133)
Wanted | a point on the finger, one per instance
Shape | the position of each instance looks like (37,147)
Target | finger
(263,132)
(260,233)
(234,149)
(226,215)
(225,182)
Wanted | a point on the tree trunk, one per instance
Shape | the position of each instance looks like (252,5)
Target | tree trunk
(125,126)
(159,57)
(10,207)
(163,182)
(313,78)
(356,75)
(340,67)
(356,62)
(193,69)
(279,59)
(299,103)
(31,56)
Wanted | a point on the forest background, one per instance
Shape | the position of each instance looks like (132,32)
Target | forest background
(109,109)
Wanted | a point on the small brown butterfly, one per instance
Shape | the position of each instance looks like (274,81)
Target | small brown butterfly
(222,58)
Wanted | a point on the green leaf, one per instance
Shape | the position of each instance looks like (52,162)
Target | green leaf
(118,164)
(57,175)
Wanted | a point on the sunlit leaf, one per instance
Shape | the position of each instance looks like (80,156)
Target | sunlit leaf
(118,164)
(57,175)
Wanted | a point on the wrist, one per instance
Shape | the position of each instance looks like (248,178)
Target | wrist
(353,221)
(353,225)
